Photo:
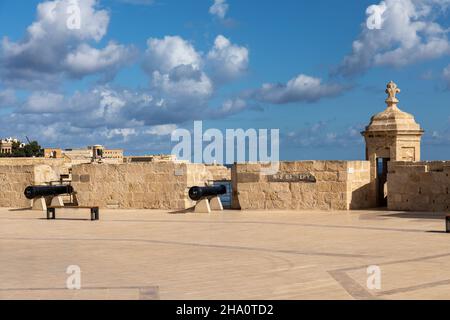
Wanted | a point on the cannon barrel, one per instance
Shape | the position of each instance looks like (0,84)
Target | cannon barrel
(32,192)
(198,193)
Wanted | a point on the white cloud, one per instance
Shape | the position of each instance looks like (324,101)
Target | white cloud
(177,77)
(302,88)
(226,60)
(233,105)
(50,50)
(183,77)
(101,106)
(219,8)
(105,115)
(161,130)
(180,90)
(86,60)
(182,82)
(44,102)
(193,86)
(170,52)
(124,133)
(114,108)
(409,31)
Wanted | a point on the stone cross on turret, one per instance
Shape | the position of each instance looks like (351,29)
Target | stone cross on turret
(392,91)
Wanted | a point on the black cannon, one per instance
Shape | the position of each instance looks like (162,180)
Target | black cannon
(33,192)
(199,193)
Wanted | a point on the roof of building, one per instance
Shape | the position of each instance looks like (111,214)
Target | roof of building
(393,119)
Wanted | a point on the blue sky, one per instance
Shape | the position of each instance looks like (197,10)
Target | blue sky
(137,69)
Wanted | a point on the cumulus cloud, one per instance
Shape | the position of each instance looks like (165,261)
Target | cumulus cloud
(302,88)
(182,82)
(86,60)
(233,105)
(107,115)
(184,78)
(177,77)
(191,86)
(115,108)
(162,130)
(124,133)
(101,106)
(406,31)
(52,130)
(230,107)
(219,9)
(51,49)
(170,52)
(43,102)
(227,61)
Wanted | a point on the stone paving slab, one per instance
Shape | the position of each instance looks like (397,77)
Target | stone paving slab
(143,254)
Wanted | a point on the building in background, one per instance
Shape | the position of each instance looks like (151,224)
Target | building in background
(96,153)
(50,153)
(5,147)
(151,158)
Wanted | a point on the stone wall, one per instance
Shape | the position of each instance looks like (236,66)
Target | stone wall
(15,178)
(153,185)
(361,193)
(59,166)
(339,185)
(218,172)
(13,181)
(419,186)
(30,161)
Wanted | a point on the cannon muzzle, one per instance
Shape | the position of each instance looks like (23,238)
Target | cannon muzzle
(33,192)
(198,193)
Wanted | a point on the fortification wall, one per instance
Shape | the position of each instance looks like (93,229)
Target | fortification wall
(419,186)
(59,166)
(312,185)
(31,161)
(15,178)
(13,181)
(360,189)
(153,185)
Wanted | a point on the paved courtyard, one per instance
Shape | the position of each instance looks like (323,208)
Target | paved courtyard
(234,255)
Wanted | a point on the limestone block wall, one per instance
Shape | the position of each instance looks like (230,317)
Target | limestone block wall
(360,191)
(60,166)
(13,181)
(419,186)
(15,178)
(30,161)
(152,185)
(45,174)
(339,185)
(218,172)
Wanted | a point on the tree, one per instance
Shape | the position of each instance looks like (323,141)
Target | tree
(33,149)
(17,151)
